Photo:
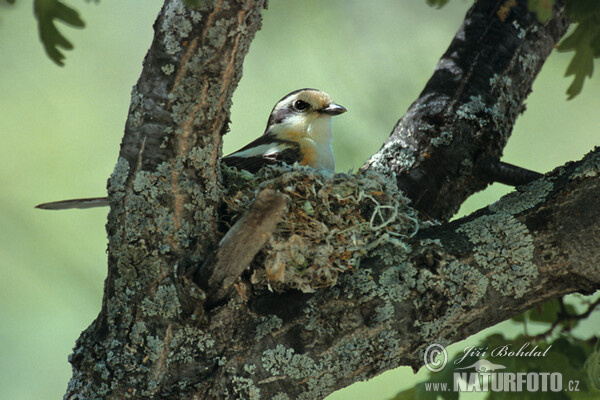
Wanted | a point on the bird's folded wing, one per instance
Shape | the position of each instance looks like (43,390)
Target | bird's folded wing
(265,150)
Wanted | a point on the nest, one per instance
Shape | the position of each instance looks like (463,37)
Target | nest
(332,221)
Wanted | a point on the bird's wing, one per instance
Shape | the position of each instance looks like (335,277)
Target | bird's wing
(265,150)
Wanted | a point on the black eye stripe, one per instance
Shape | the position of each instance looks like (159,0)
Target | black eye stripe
(279,116)
(285,109)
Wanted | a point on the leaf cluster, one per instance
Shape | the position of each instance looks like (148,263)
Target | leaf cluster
(584,42)
(574,358)
(47,12)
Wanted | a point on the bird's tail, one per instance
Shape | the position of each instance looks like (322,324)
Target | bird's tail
(75,203)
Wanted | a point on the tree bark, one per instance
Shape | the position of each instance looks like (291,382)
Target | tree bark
(158,337)
(164,195)
(466,112)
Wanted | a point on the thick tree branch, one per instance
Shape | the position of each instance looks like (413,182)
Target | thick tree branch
(469,106)
(535,244)
(164,195)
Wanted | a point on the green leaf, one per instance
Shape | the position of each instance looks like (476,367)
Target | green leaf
(584,41)
(520,317)
(566,355)
(592,366)
(408,394)
(547,312)
(595,44)
(581,65)
(542,8)
(571,310)
(46,12)
(437,3)
(580,10)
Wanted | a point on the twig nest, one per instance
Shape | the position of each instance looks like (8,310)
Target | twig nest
(332,221)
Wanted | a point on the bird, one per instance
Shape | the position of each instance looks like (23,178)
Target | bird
(299,130)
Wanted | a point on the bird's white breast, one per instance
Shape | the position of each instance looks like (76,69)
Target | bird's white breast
(321,133)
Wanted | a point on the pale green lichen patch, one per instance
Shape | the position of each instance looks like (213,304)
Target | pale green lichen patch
(314,324)
(403,158)
(500,81)
(118,178)
(524,198)
(267,325)
(386,312)
(245,388)
(333,220)
(164,302)
(190,343)
(168,69)
(150,183)
(138,332)
(589,168)
(529,62)
(218,32)
(494,114)
(183,346)
(395,281)
(154,214)
(448,289)
(345,358)
(250,368)
(444,139)
(458,276)
(503,245)
(362,282)
(471,108)
(154,347)
(283,362)
(175,26)
(136,109)
(461,283)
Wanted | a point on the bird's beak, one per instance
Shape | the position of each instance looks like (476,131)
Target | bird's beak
(333,109)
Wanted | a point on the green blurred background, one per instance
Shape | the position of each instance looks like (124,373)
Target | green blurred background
(61,128)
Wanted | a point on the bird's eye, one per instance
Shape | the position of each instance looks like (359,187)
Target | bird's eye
(300,105)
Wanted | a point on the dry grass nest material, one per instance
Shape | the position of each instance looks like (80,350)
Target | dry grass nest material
(332,221)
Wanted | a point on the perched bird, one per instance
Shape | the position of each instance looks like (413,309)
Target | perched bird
(298,130)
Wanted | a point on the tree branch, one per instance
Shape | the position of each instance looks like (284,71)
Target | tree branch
(469,106)
(564,316)
(506,173)
(535,244)
(164,195)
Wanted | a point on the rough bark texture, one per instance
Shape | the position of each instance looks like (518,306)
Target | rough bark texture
(468,108)
(164,195)
(156,338)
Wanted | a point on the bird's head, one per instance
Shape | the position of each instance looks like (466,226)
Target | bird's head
(304,113)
